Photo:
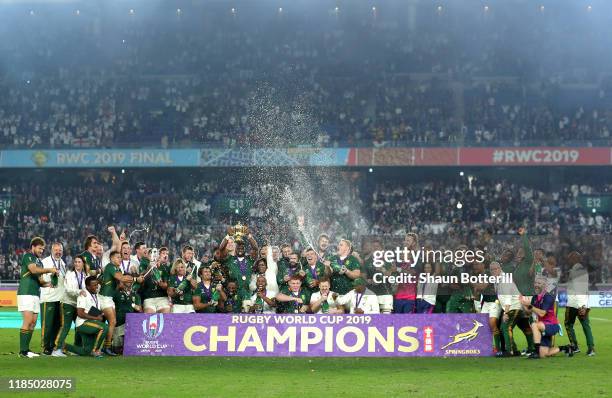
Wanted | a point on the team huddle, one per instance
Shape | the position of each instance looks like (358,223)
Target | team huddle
(102,287)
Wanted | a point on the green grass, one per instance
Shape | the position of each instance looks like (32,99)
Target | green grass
(330,377)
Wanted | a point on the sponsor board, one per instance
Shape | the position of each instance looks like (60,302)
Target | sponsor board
(443,335)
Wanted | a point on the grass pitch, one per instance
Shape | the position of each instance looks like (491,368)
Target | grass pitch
(330,377)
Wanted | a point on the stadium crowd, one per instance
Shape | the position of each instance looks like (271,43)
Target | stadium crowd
(291,85)
(169,212)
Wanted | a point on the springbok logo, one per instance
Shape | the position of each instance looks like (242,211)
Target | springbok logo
(465,336)
(153,326)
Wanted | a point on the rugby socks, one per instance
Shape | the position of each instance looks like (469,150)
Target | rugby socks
(586,326)
(25,335)
(496,339)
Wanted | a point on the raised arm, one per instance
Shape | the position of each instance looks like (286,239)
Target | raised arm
(116,246)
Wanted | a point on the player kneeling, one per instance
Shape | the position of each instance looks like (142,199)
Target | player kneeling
(547,325)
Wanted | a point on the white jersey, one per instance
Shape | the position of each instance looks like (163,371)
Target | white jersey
(316,296)
(367,301)
(508,295)
(125,266)
(86,303)
(74,283)
(53,294)
(578,287)
(427,291)
(266,308)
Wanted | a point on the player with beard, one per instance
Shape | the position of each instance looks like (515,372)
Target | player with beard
(50,298)
(192,264)
(240,266)
(93,264)
(28,293)
(286,251)
(180,288)
(206,296)
(293,268)
(324,248)
(547,326)
(230,299)
(155,286)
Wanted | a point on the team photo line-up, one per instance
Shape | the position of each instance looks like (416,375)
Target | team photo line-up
(101,287)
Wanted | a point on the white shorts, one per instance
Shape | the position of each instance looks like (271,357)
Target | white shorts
(157,303)
(385,302)
(492,308)
(106,302)
(182,309)
(28,303)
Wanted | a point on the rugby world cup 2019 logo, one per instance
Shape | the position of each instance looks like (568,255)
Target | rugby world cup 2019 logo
(153,326)
(468,335)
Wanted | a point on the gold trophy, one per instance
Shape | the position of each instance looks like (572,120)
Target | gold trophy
(238,231)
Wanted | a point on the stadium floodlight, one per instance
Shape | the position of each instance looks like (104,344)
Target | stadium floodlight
(461,174)
(371,170)
(122,171)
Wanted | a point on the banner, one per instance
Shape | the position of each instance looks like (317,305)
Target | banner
(8,297)
(94,158)
(600,299)
(304,157)
(269,335)
(466,156)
